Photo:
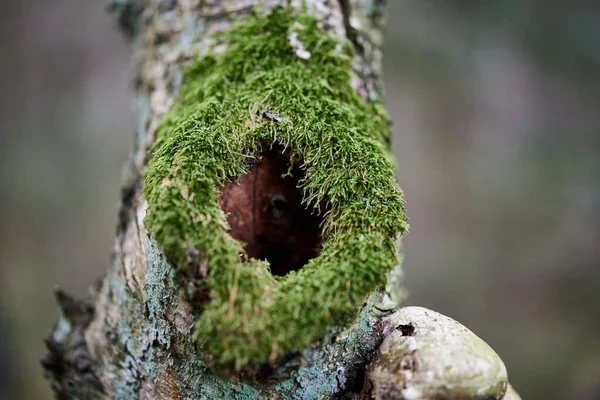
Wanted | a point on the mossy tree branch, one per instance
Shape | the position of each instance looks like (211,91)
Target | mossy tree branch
(185,311)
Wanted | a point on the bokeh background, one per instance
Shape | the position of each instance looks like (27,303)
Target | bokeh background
(496,110)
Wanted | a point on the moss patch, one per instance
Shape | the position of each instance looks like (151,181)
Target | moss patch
(211,136)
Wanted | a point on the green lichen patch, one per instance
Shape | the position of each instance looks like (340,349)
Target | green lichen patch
(211,136)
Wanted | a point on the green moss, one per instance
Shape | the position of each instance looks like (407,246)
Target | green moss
(212,134)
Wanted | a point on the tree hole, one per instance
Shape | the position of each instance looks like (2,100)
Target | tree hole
(406,329)
(264,211)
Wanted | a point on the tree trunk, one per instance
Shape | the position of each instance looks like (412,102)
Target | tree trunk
(147,332)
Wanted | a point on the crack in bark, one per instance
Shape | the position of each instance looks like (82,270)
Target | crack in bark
(351,32)
(129,190)
(68,365)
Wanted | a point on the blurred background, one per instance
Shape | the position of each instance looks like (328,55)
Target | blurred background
(496,110)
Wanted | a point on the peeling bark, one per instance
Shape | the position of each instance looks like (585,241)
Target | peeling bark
(134,339)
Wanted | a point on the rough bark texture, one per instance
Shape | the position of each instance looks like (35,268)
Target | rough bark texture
(135,339)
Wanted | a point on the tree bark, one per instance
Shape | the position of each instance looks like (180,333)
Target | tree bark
(134,338)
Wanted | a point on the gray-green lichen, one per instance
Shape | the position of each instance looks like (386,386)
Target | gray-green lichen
(158,358)
(212,132)
(178,368)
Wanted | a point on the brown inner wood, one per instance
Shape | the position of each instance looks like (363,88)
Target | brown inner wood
(265,212)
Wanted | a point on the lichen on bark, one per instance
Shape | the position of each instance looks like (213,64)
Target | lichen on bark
(135,339)
(212,135)
(139,341)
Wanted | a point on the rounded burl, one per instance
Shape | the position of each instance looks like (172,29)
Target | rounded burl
(430,356)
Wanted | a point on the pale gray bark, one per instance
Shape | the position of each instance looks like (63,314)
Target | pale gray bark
(134,339)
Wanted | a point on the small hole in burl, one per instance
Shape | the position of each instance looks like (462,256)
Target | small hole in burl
(265,212)
(406,330)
